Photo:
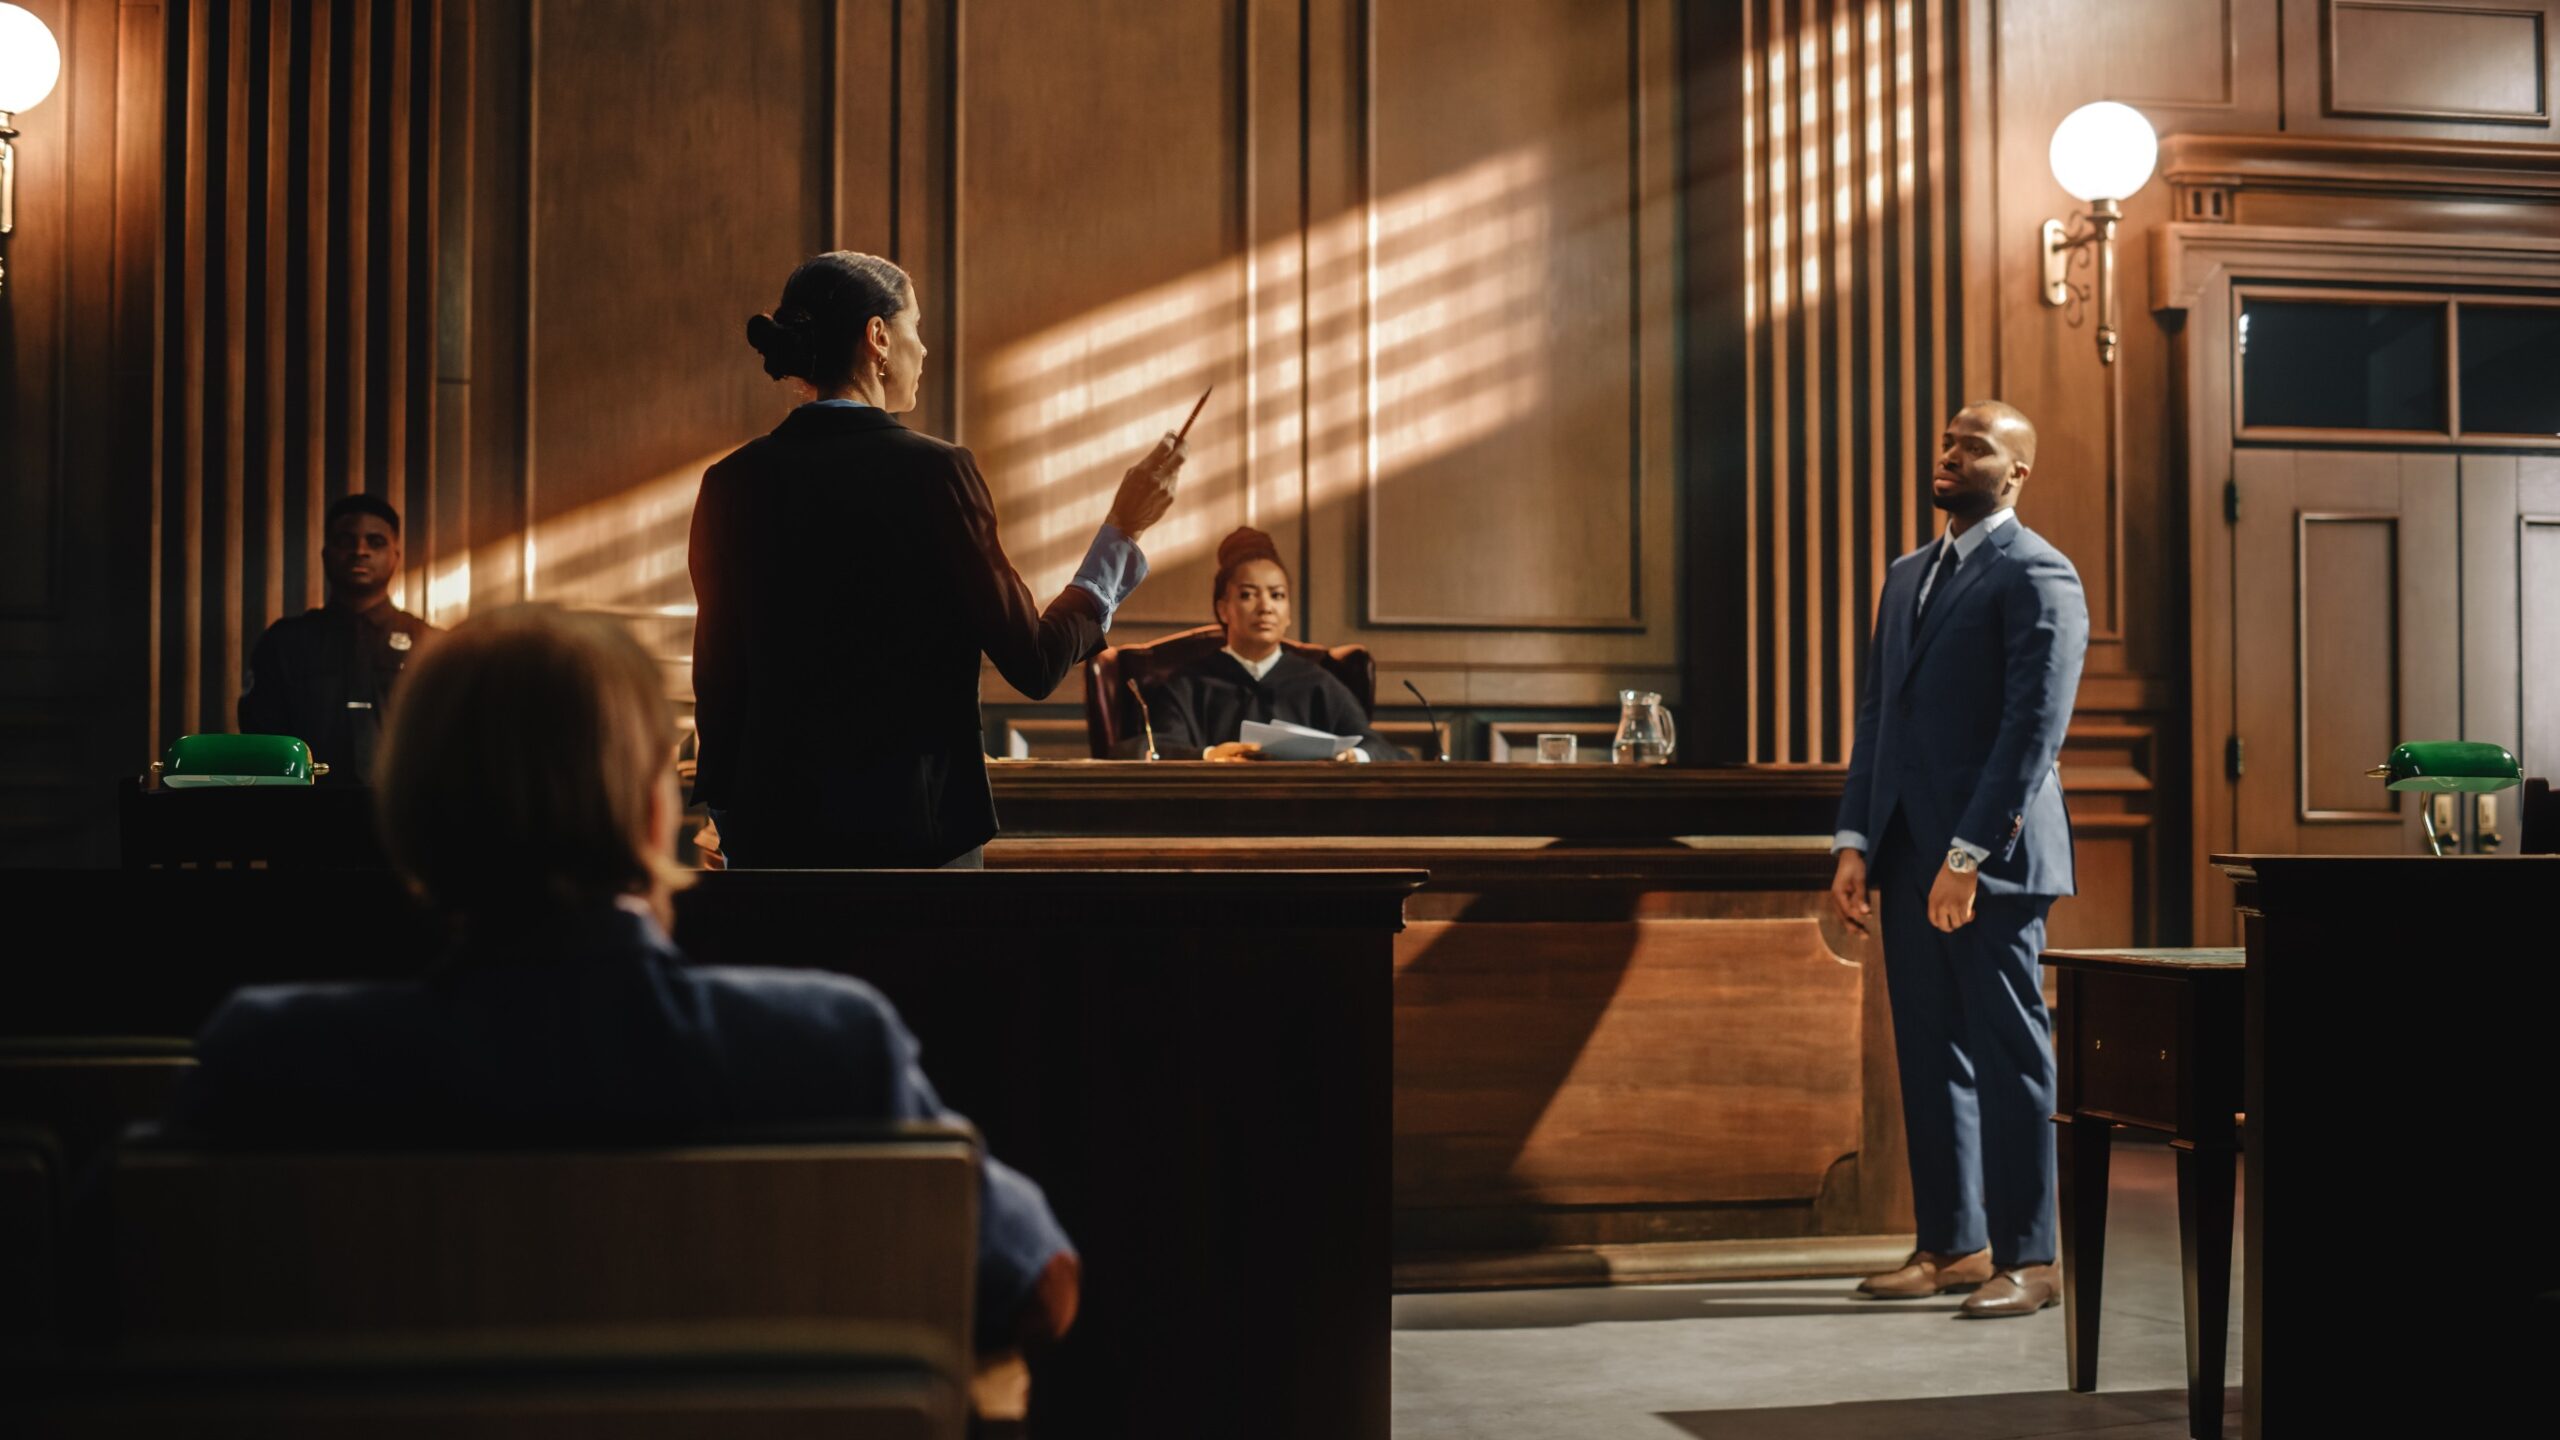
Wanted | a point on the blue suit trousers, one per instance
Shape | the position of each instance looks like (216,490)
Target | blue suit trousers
(1975,1050)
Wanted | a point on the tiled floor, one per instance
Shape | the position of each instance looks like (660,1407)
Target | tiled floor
(1801,1360)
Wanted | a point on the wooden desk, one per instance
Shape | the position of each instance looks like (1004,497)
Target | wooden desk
(2150,1039)
(1205,1101)
(2399,1010)
(1631,1041)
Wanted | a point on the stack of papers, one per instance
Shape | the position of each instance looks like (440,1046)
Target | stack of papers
(1281,740)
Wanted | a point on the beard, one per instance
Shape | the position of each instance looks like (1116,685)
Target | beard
(1965,505)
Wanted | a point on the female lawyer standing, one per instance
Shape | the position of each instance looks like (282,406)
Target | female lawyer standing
(848,576)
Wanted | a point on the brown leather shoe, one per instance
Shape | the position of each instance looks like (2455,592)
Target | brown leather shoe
(2020,1291)
(1928,1273)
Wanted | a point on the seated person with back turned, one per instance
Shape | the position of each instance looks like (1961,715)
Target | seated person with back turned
(1201,711)
(528,792)
(324,675)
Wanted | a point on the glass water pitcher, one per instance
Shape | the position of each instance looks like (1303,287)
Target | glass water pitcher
(1645,733)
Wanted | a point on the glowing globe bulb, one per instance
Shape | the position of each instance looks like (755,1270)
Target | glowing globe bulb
(2104,151)
(29,60)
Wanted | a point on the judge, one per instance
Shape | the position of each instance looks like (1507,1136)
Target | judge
(1200,711)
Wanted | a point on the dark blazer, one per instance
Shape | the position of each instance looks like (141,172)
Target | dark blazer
(849,576)
(1960,720)
(586,1027)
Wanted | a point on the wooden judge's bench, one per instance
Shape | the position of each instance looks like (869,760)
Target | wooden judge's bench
(1631,1042)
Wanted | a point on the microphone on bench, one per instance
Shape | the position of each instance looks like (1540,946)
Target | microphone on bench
(1433,721)
(1146,721)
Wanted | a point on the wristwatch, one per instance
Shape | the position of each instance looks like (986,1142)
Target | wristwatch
(1960,861)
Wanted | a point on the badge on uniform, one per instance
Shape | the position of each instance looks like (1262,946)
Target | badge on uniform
(400,640)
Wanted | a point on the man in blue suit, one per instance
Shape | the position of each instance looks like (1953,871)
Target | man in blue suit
(1954,818)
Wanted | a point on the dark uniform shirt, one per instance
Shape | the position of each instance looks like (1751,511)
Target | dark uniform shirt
(323,677)
(1208,704)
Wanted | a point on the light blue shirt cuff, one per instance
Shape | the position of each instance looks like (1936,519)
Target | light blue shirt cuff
(1113,566)
(1848,840)
(1977,852)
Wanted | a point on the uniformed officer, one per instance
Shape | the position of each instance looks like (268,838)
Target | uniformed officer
(323,676)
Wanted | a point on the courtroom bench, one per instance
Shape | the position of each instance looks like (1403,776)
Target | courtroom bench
(1631,1041)
(1188,1089)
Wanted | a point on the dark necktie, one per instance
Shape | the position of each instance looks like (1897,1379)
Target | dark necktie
(1938,575)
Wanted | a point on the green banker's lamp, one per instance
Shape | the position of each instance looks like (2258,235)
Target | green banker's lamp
(206,761)
(2439,767)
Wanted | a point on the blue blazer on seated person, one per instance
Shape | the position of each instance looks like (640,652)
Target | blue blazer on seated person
(1964,709)
(587,1027)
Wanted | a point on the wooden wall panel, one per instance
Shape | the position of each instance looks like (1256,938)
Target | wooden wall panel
(298,356)
(1474,577)
(1504,476)
(74,404)
(34,286)
(656,230)
(2424,62)
(1103,277)
(2479,69)
(2347,640)
(1853,316)
(2109,437)
(1761,1109)
(2538,551)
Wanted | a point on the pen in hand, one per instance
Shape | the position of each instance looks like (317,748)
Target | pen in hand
(1146,488)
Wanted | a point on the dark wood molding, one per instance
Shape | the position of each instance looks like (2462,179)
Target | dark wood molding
(1036,797)
(2473,169)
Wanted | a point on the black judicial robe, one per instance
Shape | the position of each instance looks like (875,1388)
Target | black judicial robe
(848,575)
(1208,704)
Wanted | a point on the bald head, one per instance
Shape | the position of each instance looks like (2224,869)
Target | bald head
(2016,432)
(1983,460)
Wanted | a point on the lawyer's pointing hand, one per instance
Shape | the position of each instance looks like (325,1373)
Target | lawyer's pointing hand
(1146,488)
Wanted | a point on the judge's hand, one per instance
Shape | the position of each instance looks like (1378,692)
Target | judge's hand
(1234,750)
(1146,488)
(1849,891)
(1951,899)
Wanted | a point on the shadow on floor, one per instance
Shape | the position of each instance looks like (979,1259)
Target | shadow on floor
(1561,1309)
(2127,1415)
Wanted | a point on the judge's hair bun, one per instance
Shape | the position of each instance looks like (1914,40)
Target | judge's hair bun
(829,302)
(1242,547)
(1246,543)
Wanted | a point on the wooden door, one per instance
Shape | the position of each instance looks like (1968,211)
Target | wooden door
(2511,621)
(2346,639)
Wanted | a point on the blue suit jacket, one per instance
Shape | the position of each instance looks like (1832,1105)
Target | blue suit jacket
(590,1026)
(1961,716)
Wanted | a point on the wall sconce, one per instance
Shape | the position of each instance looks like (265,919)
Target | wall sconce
(2101,153)
(29,64)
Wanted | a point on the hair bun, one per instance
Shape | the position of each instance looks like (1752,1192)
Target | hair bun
(788,350)
(1245,543)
